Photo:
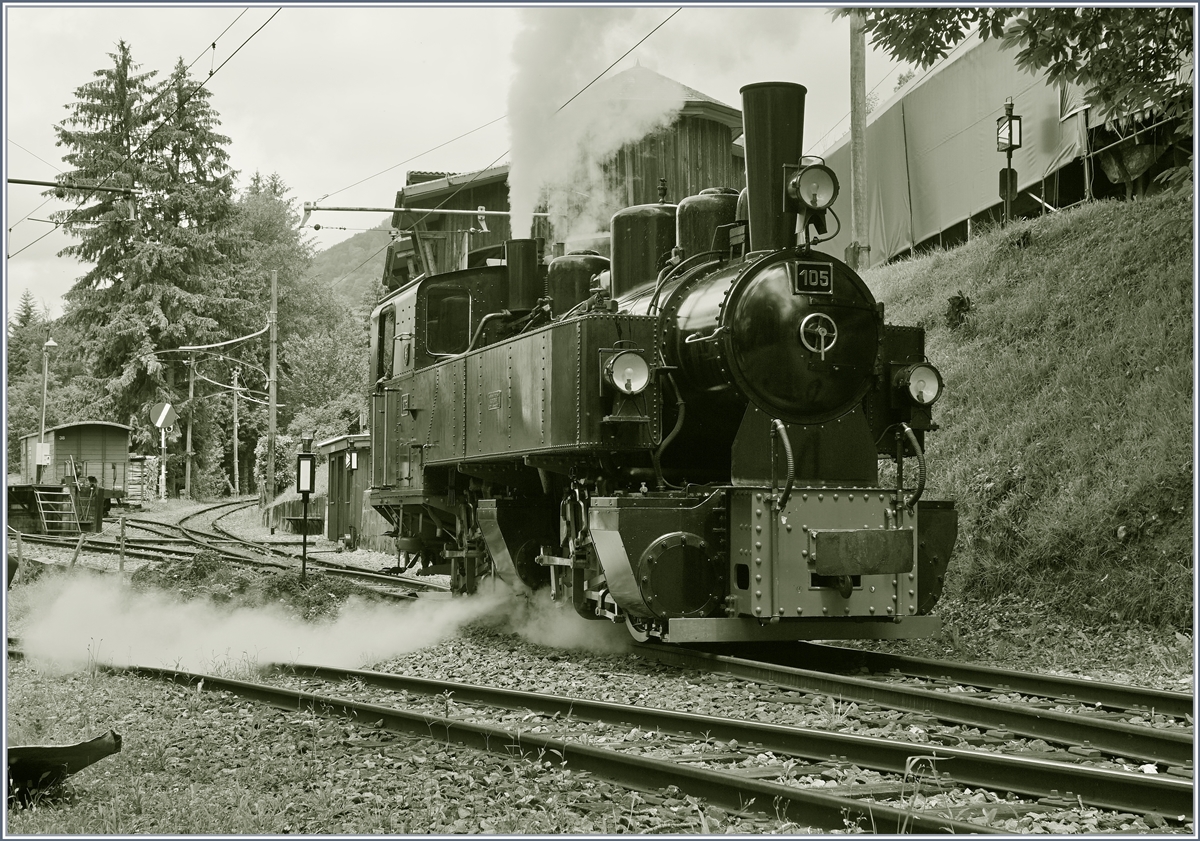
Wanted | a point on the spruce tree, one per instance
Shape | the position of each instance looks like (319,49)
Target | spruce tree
(160,279)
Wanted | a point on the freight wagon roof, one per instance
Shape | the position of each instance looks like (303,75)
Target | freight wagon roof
(78,423)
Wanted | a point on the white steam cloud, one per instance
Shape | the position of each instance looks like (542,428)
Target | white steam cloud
(75,623)
(559,156)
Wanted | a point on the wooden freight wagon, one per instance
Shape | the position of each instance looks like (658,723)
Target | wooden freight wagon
(77,451)
(82,467)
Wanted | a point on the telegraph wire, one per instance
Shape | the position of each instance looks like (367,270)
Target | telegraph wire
(498,119)
(151,105)
(414,157)
(479,172)
(157,128)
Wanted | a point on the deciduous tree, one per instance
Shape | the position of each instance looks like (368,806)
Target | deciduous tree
(1127,58)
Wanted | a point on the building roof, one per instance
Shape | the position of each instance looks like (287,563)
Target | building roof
(642,83)
(434,186)
(636,83)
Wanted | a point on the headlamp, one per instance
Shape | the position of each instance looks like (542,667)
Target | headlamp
(920,383)
(815,186)
(627,372)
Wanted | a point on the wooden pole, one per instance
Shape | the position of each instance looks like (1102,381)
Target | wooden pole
(237,482)
(187,471)
(20,562)
(858,140)
(268,491)
(121,557)
(78,546)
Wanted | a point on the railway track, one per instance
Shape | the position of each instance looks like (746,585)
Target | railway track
(699,754)
(1089,735)
(727,789)
(179,541)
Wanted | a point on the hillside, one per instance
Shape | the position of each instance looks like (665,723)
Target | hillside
(1066,428)
(355,264)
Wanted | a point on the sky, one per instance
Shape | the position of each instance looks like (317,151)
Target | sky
(342,101)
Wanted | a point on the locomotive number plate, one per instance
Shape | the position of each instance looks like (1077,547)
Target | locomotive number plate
(809,278)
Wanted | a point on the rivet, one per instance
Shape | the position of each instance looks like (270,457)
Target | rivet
(758,578)
(851,497)
(820,497)
(758,512)
(781,611)
(847,611)
(893,597)
(758,561)
(804,496)
(824,610)
(872,589)
(871,608)
(910,592)
(912,608)
(788,526)
(889,610)
(758,529)
(804,553)
(758,594)
(758,497)
(758,544)
(799,610)
(911,576)
(835,496)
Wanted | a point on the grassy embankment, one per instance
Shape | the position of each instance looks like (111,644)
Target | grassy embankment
(1066,426)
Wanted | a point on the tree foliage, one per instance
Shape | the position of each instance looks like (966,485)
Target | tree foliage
(1126,58)
(160,278)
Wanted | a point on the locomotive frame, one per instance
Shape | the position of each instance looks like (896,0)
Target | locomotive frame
(692,448)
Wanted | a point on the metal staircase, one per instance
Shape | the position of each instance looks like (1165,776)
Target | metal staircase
(57,510)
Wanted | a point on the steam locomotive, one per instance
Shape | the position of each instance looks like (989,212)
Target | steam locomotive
(684,437)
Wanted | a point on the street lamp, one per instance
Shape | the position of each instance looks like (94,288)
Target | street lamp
(41,453)
(1008,137)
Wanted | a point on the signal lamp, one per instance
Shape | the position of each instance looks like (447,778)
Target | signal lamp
(627,372)
(920,383)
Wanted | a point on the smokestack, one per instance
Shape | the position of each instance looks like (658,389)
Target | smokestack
(524,275)
(773,118)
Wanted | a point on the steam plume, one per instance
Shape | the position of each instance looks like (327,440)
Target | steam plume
(559,156)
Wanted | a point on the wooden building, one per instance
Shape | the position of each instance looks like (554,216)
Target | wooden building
(695,151)
(348,517)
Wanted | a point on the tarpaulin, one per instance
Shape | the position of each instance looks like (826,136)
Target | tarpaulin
(931,150)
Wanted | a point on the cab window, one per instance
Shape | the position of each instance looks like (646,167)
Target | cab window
(384,368)
(448,320)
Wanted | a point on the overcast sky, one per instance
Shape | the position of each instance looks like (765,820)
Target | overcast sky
(337,100)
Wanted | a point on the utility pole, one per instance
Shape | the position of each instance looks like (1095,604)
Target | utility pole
(237,482)
(187,470)
(268,490)
(858,141)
